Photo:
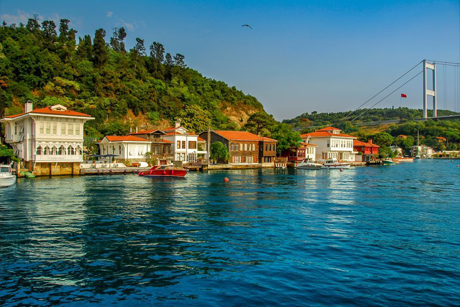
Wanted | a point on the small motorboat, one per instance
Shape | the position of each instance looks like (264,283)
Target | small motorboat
(7,178)
(401,160)
(388,162)
(334,163)
(309,164)
(164,171)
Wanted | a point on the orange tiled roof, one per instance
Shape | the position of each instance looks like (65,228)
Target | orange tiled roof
(359,143)
(326,134)
(329,129)
(125,138)
(265,139)
(238,135)
(145,132)
(48,110)
(201,139)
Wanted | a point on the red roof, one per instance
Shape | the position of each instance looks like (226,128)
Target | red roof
(145,132)
(201,139)
(329,129)
(125,138)
(48,110)
(359,143)
(326,134)
(242,136)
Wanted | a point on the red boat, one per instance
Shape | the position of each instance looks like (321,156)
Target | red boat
(164,171)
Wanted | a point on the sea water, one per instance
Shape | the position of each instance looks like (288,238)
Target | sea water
(367,236)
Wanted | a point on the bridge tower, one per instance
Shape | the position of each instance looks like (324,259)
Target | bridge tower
(427,92)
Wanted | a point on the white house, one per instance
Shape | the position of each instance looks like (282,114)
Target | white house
(125,148)
(185,145)
(47,135)
(331,144)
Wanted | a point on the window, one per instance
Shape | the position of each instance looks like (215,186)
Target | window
(48,128)
(183,147)
(192,144)
(245,146)
(178,145)
(328,143)
(70,129)
(39,150)
(42,128)
(63,128)
(47,151)
(253,147)
(54,128)
(77,129)
(15,128)
(119,150)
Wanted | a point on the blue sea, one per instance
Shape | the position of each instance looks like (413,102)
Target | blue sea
(367,236)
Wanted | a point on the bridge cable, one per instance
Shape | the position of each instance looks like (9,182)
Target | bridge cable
(365,111)
(348,116)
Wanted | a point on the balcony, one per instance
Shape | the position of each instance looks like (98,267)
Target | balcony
(58,158)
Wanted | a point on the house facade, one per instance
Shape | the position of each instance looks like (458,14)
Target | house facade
(331,144)
(299,153)
(367,152)
(243,146)
(125,148)
(267,150)
(49,140)
(161,149)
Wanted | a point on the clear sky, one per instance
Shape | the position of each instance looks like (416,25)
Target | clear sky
(300,56)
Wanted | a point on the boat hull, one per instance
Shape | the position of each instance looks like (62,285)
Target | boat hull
(336,166)
(310,166)
(164,173)
(7,181)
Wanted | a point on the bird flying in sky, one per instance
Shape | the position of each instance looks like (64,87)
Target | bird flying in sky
(246,25)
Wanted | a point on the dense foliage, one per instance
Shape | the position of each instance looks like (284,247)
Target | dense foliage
(100,77)
(219,152)
(347,120)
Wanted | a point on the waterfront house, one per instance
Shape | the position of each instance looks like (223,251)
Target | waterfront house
(160,148)
(331,144)
(398,150)
(49,140)
(175,143)
(422,151)
(243,146)
(367,152)
(125,148)
(297,154)
(267,150)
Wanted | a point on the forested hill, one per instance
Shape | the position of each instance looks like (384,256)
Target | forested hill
(141,87)
(308,121)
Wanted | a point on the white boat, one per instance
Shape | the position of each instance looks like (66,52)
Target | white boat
(308,164)
(333,163)
(6,176)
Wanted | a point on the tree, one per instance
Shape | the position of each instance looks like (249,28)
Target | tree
(64,30)
(383,139)
(286,137)
(260,122)
(219,152)
(116,41)
(195,118)
(99,49)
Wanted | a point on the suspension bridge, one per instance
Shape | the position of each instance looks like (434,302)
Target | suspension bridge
(433,73)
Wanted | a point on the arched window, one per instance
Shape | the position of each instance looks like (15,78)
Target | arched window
(70,150)
(47,151)
(61,150)
(79,151)
(39,150)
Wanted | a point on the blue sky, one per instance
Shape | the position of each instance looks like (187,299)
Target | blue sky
(300,56)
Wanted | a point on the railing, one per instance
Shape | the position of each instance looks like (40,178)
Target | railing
(58,158)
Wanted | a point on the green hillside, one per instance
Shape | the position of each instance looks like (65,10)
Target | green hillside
(142,87)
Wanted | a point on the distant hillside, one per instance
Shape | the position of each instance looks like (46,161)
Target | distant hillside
(141,87)
(309,121)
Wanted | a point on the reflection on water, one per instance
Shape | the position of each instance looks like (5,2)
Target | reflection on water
(267,237)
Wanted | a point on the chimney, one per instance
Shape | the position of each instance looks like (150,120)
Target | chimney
(177,125)
(370,141)
(28,106)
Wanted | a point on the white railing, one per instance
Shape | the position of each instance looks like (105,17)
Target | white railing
(58,158)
